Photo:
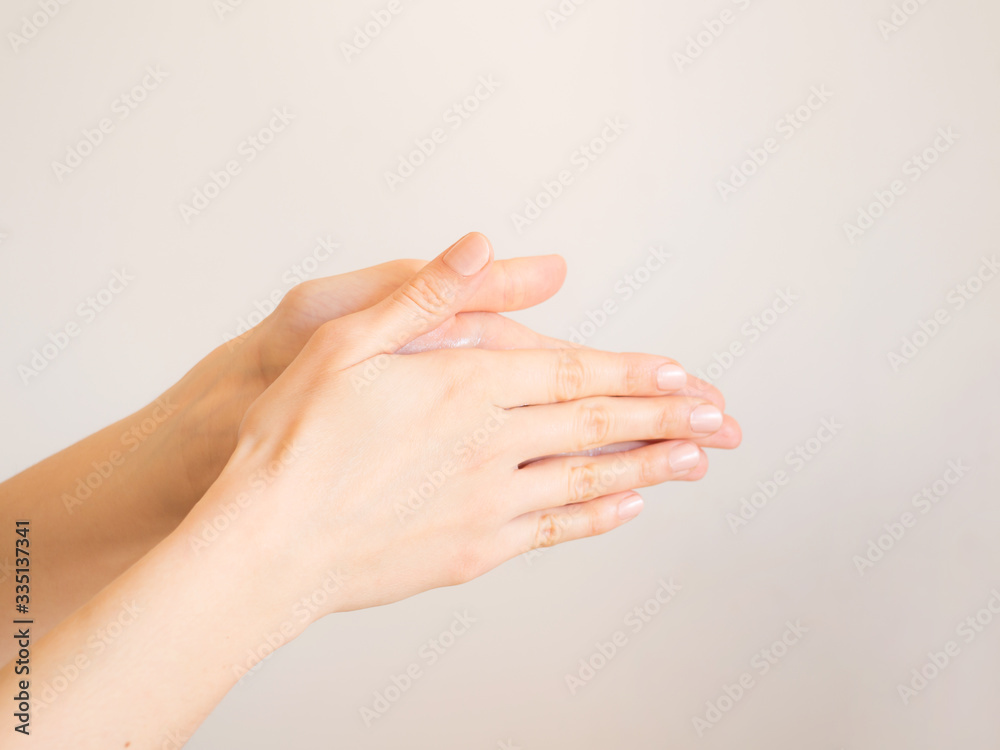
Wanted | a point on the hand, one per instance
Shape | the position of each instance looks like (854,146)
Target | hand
(216,393)
(408,472)
(397,472)
(111,497)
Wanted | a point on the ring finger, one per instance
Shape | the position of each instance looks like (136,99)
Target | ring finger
(562,480)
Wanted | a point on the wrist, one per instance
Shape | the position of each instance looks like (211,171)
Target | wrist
(211,400)
(296,578)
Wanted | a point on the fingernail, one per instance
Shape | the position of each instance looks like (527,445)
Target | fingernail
(629,507)
(684,456)
(706,418)
(671,378)
(469,254)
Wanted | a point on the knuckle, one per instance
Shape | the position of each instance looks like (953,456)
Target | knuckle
(665,421)
(432,295)
(571,376)
(650,469)
(548,532)
(593,424)
(593,524)
(515,289)
(635,375)
(584,481)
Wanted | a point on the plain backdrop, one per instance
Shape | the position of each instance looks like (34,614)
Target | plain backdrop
(816,554)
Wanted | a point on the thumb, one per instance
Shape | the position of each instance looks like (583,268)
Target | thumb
(438,291)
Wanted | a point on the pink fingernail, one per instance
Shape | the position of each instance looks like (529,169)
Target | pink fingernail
(706,419)
(629,507)
(670,378)
(469,254)
(684,456)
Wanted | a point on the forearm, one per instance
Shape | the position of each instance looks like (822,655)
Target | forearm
(97,506)
(151,655)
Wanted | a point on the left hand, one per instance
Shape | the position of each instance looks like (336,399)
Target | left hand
(216,393)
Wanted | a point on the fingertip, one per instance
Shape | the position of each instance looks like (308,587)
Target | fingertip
(472,254)
(629,506)
(559,267)
(733,428)
(706,391)
(699,471)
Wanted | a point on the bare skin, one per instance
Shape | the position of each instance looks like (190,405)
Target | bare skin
(109,498)
(324,483)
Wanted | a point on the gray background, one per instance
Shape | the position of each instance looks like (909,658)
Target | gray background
(503,684)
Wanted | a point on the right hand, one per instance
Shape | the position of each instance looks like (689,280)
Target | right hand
(419,470)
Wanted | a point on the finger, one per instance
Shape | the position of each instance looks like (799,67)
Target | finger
(512,284)
(545,528)
(545,376)
(419,305)
(700,389)
(592,422)
(728,437)
(519,283)
(576,479)
(485,330)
